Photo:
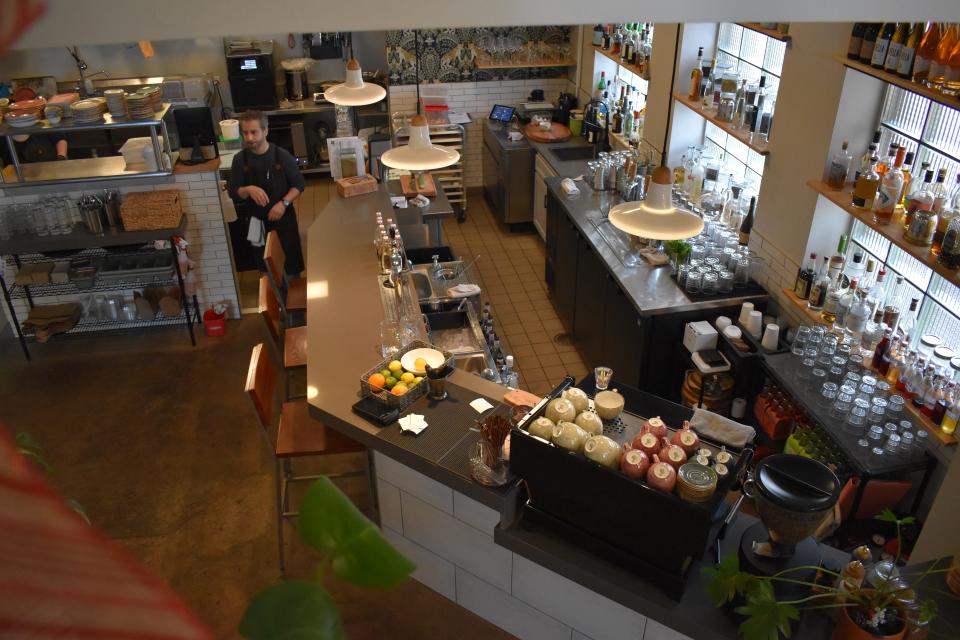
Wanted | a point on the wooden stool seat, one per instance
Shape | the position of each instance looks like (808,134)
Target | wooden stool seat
(295,347)
(296,294)
(301,435)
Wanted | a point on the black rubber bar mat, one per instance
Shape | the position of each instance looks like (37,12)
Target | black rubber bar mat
(448,422)
(457,459)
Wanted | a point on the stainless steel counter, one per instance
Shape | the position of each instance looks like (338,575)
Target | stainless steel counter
(651,289)
(300,107)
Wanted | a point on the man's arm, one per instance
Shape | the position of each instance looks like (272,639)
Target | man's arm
(294,179)
(62,149)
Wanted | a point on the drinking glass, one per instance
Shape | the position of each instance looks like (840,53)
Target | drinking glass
(797,349)
(725,282)
(682,272)
(741,274)
(835,374)
(893,445)
(694,279)
(602,377)
(709,283)
(390,340)
(906,443)
(895,406)
(829,390)
(890,429)
(875,434)
(817,378)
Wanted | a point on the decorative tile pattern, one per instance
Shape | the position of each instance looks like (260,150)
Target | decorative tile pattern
(449,55)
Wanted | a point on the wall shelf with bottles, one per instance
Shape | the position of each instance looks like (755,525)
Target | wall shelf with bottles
(892,232)
(527,65)
(632,68)
(809,314)
(742,135)
(903,83)
(773,33)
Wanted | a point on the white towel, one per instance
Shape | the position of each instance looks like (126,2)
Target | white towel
(721,429)
(255,232)
(463,291)
(569,187)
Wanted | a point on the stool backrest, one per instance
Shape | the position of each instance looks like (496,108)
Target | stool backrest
(275,258)
(261,386)
(270,309)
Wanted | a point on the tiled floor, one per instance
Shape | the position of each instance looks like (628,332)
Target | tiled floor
(510,271)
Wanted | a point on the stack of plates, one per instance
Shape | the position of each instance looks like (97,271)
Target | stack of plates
(116,102)
(88,111)
(23,107)
(144,103)
(695,482)
(21,120)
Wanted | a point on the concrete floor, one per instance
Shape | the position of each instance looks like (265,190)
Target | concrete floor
(158,443)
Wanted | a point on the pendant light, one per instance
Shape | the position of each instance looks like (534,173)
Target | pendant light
(655,217)
(419,154)
(354,92)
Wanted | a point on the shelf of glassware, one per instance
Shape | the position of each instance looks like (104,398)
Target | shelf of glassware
(892,232)
(632,68)
(891,78)
(743,135)
(526,64)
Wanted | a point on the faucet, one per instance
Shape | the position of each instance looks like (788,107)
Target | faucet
(85,87)
(590,110)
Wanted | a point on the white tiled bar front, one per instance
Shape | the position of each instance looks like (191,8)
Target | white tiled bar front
(204,230)
(450,538)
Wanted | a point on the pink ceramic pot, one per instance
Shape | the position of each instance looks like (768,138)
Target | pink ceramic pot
(686,438)
(648,443)
(634,464)
(661,476)
(656,426)
(673,454)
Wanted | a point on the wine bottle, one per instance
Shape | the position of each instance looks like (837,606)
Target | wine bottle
(941,60)
(869,41)
(747,225)
(925,53)
(908,52)
(882,45)
(856,40)
(696,77)
(896,44)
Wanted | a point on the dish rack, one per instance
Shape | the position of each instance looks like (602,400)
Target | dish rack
(401,402)
(450,178)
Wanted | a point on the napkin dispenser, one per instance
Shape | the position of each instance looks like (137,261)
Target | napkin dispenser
(699,336)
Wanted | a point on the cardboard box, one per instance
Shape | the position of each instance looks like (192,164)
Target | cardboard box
(60,273)
(355,186)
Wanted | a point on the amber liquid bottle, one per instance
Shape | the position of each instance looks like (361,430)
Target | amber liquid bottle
(951,83)
(941,60)
(926,53)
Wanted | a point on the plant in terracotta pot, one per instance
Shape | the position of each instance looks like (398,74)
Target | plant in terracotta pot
(863,612)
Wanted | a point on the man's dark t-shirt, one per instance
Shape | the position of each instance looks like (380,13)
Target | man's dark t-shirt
(275,172)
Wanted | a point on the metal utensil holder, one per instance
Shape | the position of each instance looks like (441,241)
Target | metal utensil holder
(91,210)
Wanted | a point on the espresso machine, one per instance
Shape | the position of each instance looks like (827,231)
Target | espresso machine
(251,74)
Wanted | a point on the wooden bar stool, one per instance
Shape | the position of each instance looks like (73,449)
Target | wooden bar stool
(290,343)
(297,435)
(292,292)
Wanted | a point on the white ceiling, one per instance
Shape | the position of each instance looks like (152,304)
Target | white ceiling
(110,21)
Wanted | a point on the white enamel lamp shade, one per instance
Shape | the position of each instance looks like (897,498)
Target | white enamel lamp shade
(656,218)
(354,92)
(419,154)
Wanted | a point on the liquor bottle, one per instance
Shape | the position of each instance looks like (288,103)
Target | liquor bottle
(932,394)
(886,162)
(855,266)
(944,399)
(882,45)
(869,153)
(890,190)
(870,34)
(818,292)
(838,260)
(508,376)
(877,295)
(951,82)
(952,415)
(906,371)
(909,50)
(913,385)
(907,177)
(831,302)
(637,127)
(740,104)
(839,167)
(617,41)
(605,41)
(941,195)
(856,40)
(888,359)
(708,89)
(869,278)
(950,246)
(881,349)
(601,86)
(919,200)
(909,321)
(626,48)
(926,51)
(865,189)
(896,44)
(858,315)
(943,223)
(627,121)
(941,59)
(805,276)
(747,225)
(844,305)
(893,305)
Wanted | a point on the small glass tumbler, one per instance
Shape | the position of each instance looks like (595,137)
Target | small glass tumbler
(694,281)
(602,377)
(725,283)
(818,377)
(835,374)
(875,434)
(829,390)
(682,272)
(893,445)
(882,389)
(895,406)
(708,285)
(890,429)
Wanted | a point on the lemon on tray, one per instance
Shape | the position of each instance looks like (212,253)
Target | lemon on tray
(395,366)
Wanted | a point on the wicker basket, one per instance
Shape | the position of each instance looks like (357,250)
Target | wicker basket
(417,392)
(150,210)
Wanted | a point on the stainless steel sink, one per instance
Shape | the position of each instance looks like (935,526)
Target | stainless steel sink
(578,152)
(472,363)
(421,282)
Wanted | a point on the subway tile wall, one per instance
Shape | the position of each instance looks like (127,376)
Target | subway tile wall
(205,230)
(779,272)
(477,98)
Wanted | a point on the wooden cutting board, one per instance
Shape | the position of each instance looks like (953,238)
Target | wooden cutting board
(557,132)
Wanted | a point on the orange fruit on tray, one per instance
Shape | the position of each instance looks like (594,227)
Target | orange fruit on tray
(376,381)
(399,389)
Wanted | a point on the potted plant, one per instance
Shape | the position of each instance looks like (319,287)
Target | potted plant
(863,612)
(677,251)
(352,549)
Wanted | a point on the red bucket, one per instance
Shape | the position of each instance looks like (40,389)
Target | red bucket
(215,324)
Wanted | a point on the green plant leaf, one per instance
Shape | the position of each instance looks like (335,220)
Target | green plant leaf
(78,508)
(292,610)
(726,580)
(887,515)
(26,440)
(928,610)
(358,553)
(766,618)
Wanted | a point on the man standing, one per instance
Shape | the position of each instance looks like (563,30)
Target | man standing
(266,180)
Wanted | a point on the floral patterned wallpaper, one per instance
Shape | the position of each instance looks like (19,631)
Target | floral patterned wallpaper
(450,55)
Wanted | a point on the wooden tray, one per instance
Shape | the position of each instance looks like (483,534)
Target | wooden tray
(557,133)
(410,189)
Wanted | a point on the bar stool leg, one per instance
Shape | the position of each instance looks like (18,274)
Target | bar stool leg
(278,482)
(374,494)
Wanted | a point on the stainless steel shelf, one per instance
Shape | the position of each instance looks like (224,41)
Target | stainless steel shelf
(81,238)
(67,124)
(20,291)
(81,170)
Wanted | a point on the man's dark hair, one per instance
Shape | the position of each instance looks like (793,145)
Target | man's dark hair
(253,114)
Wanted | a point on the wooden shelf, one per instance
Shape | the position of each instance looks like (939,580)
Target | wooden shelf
(801,305)
(892,232)
(894,79)
(773,33)
(743,135)
(632,68)
(527,65)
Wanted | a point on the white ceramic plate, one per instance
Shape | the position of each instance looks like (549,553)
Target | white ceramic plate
(433,357)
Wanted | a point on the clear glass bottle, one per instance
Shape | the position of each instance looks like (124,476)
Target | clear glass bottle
(865,189)
(818,292)
(952,414)
(940,62)
(891,188)
(858,316)
(839,167)
(838,260)
(893,306)
(877,295)
(949,255)
(708,90)
(844,304)
(909,321)
(831,302)
(926,51)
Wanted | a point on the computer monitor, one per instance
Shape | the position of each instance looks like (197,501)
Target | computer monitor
(195,129)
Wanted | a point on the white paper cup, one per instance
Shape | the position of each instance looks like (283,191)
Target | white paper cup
(745,310)
(771,336)
(754,325)
(230,129)
(723,322)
